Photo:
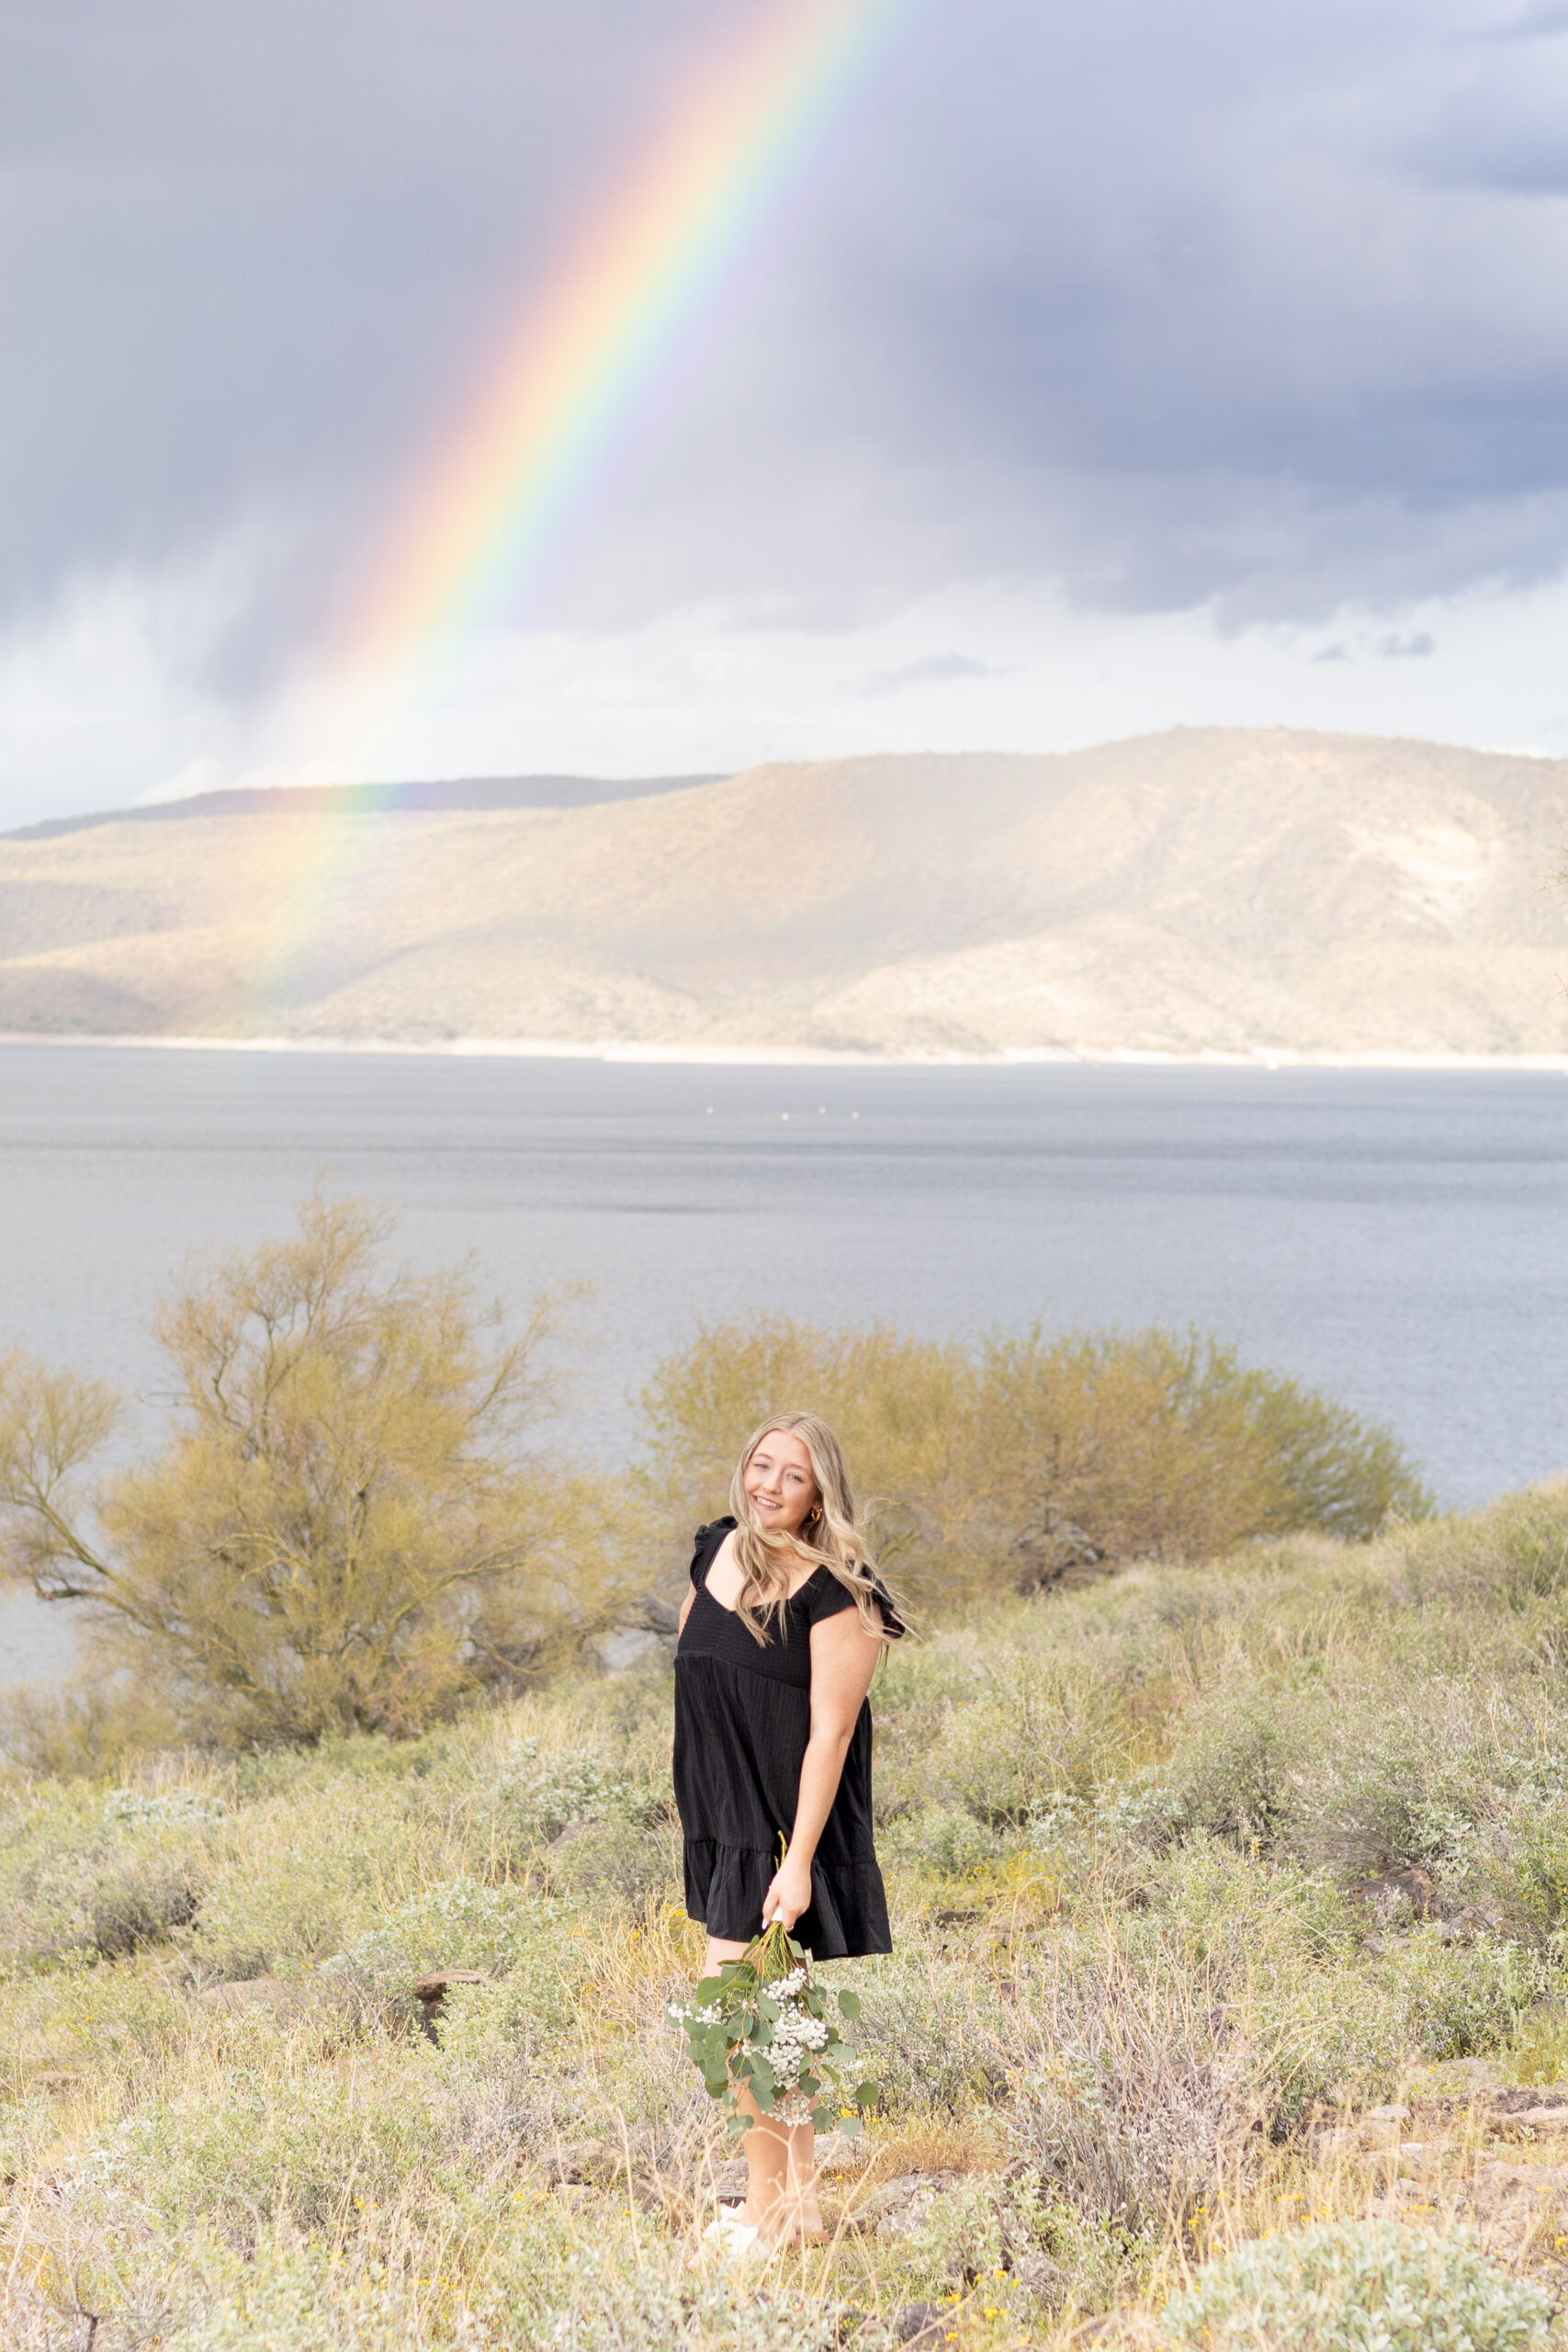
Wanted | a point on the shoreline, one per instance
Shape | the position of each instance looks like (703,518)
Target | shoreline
(609,1050)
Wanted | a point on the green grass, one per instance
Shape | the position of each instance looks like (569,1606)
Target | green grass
(1121,1826)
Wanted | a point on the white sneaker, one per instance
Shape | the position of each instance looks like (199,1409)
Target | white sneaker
(729,2234)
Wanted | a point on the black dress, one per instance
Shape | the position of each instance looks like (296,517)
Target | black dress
(742,1718)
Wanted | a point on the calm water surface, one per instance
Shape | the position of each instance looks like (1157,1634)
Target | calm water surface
(1400,1239)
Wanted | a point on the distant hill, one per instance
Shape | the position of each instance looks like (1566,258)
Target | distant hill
(1200,890)
(370,800)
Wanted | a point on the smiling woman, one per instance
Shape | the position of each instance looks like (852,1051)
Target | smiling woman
(779,1639)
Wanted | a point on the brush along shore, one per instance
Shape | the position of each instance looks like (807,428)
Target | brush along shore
(1229,1906)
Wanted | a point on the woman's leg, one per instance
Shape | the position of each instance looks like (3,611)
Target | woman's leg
(781,2169)
(800,2182)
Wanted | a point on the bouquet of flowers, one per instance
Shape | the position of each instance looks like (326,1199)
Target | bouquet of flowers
(762,2021)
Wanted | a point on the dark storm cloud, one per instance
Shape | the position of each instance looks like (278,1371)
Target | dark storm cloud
(1256,305)
(1535,24)
(250,257)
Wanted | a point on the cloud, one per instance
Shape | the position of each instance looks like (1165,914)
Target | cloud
(103,705)
(1544,23)
(930,670)
(1414,648)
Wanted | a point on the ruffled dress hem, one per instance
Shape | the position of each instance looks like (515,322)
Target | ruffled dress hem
(725,1884)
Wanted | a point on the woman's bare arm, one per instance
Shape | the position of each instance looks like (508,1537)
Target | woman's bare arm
(843,1659)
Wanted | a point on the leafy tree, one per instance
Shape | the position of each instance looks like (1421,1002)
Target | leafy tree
(1332,1469)
(1128,1444)
(347,1525)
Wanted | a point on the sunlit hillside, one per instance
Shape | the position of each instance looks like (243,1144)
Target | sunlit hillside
(1199,890)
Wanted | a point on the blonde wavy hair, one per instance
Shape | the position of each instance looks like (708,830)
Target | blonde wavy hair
(829,1539)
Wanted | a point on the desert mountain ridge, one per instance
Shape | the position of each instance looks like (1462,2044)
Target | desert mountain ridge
(367,799)
(1201,891)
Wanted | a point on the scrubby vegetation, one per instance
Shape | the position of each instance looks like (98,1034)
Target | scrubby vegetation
(1339,2289)
(1185,1867)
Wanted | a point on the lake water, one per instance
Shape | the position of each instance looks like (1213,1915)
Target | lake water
(1400,1239)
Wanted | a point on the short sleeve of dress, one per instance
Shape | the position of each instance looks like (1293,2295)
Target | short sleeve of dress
(705,1543)
(892,1623)
(825,1597)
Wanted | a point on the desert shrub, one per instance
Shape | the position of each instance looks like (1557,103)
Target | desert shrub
(82,1872)
(586,1822)
(1235,1770)
(1041,1729)
(941,1838)
(296,1883)
(1536,2050)
(1128,2091)
(933,2033)
(616,2306)
(1361,1764)
(1137,2063)
(543,1794)
(89,1724)
(497,2030)
(248,2146)
(1514,1552)
(459,1923)
(1151,2045)
(1005,1463)
(1528,1878)
(1122,1444)
(616,1862)
(347,1527)
(1360,2287)
(140,1908)
(276,2301)
(1011,2248)
(1462,2001)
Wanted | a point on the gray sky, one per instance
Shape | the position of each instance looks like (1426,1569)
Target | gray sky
(1102,367)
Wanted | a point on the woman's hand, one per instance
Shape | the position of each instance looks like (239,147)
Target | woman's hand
(789,1895)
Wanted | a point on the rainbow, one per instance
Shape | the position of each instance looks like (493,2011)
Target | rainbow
(526,447)
(591,341)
